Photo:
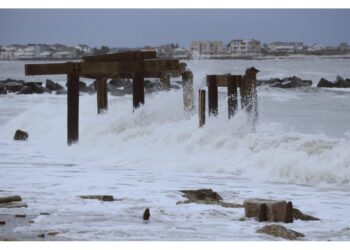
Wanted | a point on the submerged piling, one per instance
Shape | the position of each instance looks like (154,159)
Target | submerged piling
(101,93)
(212,95)
(73,105)
(188,95)
(201,107)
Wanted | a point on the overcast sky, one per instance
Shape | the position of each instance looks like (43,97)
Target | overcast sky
(132,28)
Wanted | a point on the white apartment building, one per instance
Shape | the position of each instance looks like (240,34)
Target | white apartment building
(207,47)
(241,47)
(285,47)
(315,47)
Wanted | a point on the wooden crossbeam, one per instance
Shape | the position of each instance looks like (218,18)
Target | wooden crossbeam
(105,69)
(122,56)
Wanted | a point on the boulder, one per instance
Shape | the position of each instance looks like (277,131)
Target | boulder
(119,83)
(3,90)
(298,215)
(146,214)
(11,86)
(13,198)
(292,82)
(268,210)
(51,85)
(32,88)
(280,231)
(338,83)
(268,82)
(21,135)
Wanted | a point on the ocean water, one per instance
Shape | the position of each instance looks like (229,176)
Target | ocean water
(300,151)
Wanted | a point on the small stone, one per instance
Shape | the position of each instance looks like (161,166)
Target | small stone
(280,231)
(41,235)
(52,233)
(99,197)
(2,223)
(21,135)
(146,214)
(20,215)
(44,213)
(31,221)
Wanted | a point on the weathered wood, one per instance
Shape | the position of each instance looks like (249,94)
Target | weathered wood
(105,69)
(10,199)
(275,209)
(232,95)
(101,93)
(201,107)
(188,94)
(73,106)
(48,69)
(165,80)
(262,214)
(249,98)
(122,56)
(98,197)
(212,95)
(289,213)
(138,88)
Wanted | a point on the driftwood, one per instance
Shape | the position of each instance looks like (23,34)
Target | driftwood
(13,205)
(10,199)
(99,197)
(280,231)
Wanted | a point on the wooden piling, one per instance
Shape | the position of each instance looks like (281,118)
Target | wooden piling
(249,97)
(138,89)
(201,107)
(101,93)
(212,95)
(188,95)
(232,83)
(165,80)
(73,105)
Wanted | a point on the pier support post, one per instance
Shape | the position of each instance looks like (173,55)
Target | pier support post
(138,89)
(101,93)
(73,105)
(232,82)
(201,107)
(249,97)
(188,95)
(212,95)
(165,80)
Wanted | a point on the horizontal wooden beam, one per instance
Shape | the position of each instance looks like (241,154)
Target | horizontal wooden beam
(122,56)
(105,69)
(222,80)
(48,69)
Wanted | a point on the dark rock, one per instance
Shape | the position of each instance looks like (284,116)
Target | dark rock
(338,83)
(9,80)
(99,197)
(51,85)
(119,83)
(289,213)
(3,90)
(13,205)
(52,233)
(201,195)
(146,214)
(10,198)
(292,82)
(31,221)
(2,223)
(20,215)
(44,213)
(41,235)
(280,231)
(21,135)
(268,82)
(61,92)
(298,215)
(32,88)
(11,86)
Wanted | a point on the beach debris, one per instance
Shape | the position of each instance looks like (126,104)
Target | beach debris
(269,210)
(146,214)
(44,213)
(20,135)
(31,221)
(13,205)
(12,202)
(2,223)
(10,199)
(206,196)
(298,215)
(20,215)
(42,235)
(280,231)
(98,197)
(52,233)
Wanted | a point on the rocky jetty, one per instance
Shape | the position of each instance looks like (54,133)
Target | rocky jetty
(339,82)
(285,83)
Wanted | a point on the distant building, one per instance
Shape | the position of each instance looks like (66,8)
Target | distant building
(344,47)
(207,48)
(285,47)
(315,47)
(83,48)
(241,47)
